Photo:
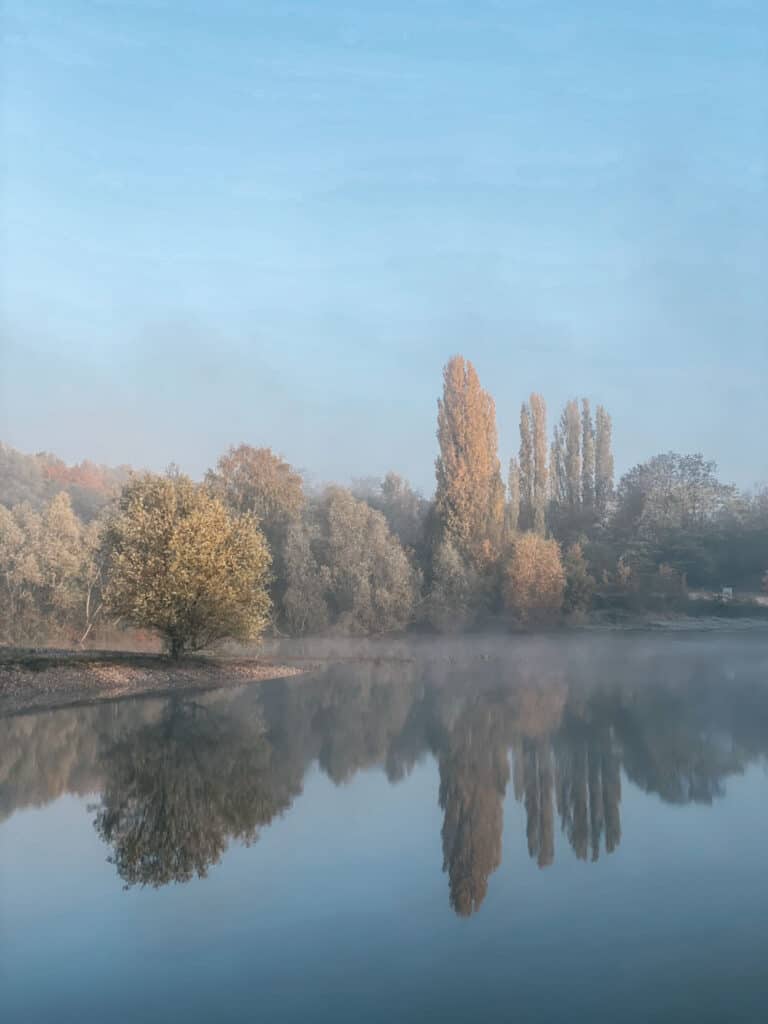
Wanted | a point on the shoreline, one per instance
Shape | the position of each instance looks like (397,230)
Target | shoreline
(44,680)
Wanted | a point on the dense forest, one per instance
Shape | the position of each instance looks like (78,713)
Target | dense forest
(251,549)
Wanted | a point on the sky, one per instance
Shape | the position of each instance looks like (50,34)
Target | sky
(274,221)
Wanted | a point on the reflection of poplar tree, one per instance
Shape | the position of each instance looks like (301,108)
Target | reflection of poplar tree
(474,772)
(573,797)
(537,787)
(589,790)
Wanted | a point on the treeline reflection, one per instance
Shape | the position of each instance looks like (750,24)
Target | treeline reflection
(180,779)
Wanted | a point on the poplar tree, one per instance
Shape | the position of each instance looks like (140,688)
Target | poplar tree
(513,490)
(539,424)
(587,456)
(526,468)
(469,500)
(603,461)
(557,482)
(570,426)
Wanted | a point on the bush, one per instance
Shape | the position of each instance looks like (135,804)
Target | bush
(534,580)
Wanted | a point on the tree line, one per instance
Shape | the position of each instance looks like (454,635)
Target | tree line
(250,548)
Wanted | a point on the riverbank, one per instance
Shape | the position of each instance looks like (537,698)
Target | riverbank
(42,679)
(46,678)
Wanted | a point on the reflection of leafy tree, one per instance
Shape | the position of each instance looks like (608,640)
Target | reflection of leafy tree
(474,772)
(671,750)
(179,790)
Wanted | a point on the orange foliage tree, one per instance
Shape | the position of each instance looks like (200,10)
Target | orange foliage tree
(534,580)
(469,501)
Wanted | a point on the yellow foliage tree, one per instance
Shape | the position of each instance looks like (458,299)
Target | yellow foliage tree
(469,501)
(180,563)
(534,580)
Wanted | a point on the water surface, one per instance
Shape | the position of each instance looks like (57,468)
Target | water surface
(534,829)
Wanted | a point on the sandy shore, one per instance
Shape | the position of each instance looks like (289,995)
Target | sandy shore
(31,680)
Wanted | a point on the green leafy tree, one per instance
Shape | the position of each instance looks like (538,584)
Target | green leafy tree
(370,585)
(526,463)
(587,456)
(540,471)
(603,462)
(570,428)
(20,574)
(455,596)
(579,584)
(513,501)
(305,606)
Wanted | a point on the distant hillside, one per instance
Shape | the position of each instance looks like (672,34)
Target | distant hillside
(36,478)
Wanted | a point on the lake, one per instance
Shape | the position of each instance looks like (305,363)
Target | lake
(532,829)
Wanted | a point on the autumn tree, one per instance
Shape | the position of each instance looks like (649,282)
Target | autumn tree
(534,580)
(256,481)
(181,563)
(469,501)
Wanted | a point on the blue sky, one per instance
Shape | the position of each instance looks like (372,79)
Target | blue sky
(273,222)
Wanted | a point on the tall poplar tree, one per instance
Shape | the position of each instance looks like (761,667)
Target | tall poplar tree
(513,501)
(469,500)
(587,456)
(557,482)
(539,424)
(526,468)
(603,461)
(570,426)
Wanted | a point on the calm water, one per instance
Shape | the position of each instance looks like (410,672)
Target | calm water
(537,831)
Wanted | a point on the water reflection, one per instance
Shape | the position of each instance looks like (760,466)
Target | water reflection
(178,790)
(179,780)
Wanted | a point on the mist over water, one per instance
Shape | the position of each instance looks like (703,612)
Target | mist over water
(487,813)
